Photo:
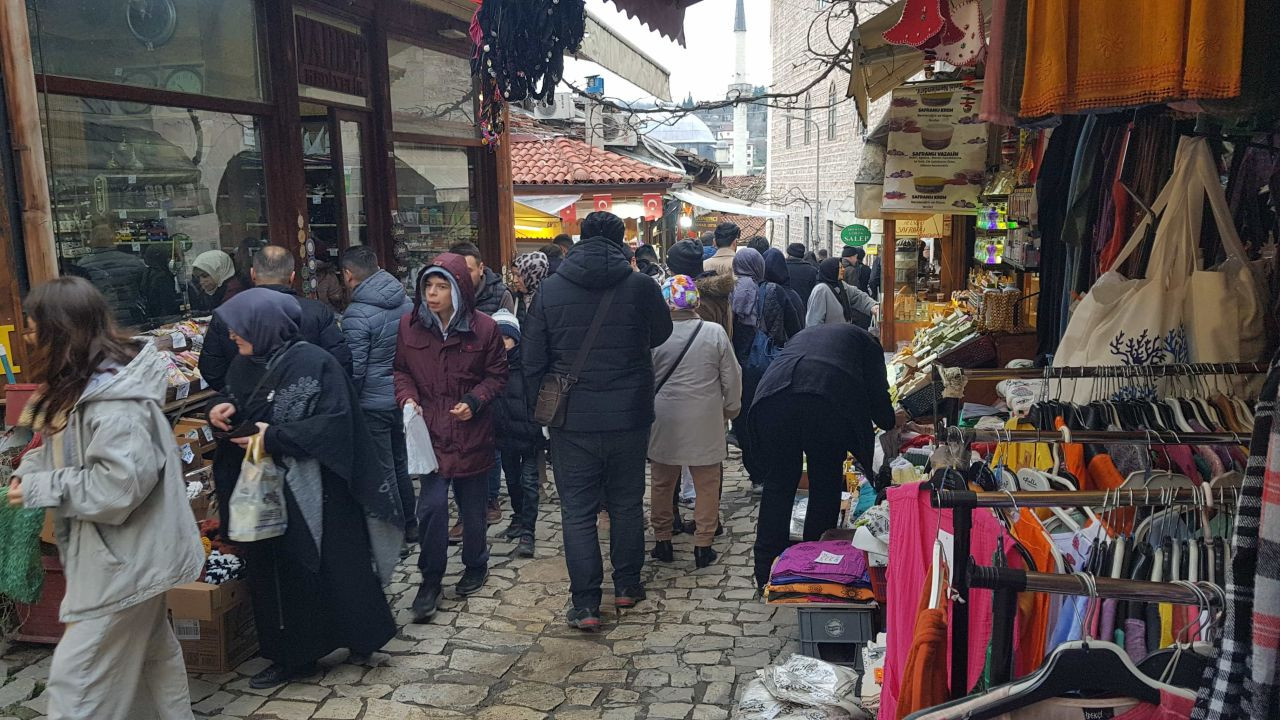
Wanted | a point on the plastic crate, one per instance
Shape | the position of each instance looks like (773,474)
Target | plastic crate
(843,624)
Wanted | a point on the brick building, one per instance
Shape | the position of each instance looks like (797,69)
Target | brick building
(816,145)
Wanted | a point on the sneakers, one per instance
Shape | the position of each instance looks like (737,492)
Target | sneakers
(455,533)
(426,603)
(494,513)
(472,581)
(278,674)
(525,548)
(629,597)
(703,556)
(513,531)
(663,551)
(584,619)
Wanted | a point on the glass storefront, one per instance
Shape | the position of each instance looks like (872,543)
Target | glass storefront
(436,201)
(139,193)
(431,92)
(187,46)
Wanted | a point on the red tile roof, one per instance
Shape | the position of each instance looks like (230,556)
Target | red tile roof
(568,161)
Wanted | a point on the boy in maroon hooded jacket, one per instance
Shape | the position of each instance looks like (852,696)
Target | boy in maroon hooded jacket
(451,365)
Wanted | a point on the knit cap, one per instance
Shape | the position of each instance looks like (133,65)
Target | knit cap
(508,325)
(680,292)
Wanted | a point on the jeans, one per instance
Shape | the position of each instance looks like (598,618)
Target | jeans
(591,468)
(433,524)
(387,429)
(798,426)
(495,477)
(521,469)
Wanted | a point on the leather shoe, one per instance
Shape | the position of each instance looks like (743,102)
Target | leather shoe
(455,533)
(513,531)
(471,581)
(703,556)
(493,515)
(426,603)
(278,674)
(663,551)
(525,548)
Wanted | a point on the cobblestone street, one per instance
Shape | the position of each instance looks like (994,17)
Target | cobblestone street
(506,654)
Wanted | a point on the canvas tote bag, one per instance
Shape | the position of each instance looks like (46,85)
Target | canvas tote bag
(1178,313)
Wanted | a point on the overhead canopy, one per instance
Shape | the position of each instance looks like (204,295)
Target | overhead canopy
(661,16)
(879,67)
(707,200)
(615,53)
(532,223)
(548,204)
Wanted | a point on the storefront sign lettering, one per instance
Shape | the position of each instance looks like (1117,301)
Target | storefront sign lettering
(331,58)
(6,349)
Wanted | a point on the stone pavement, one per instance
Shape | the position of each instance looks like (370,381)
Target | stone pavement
(506,654)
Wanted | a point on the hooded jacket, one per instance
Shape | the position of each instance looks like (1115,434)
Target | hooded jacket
(113,481)
(615,390)
(371,325)
(516,430)
(714,291)
(803,276)
(317,327)
(118,275)
(439,367)
(493,295)
(776,272)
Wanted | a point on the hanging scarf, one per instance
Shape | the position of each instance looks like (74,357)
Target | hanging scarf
(748,265)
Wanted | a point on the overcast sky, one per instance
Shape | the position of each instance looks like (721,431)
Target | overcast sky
(705,67)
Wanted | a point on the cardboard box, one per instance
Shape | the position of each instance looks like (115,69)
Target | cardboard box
(214,625)
(196,431)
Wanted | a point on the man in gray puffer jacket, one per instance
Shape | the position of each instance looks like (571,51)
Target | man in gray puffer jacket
(371,324)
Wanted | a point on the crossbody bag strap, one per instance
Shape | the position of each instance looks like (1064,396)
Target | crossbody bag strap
(684,351)
(601,310)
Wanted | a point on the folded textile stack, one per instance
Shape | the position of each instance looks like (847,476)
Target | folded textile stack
(825,571)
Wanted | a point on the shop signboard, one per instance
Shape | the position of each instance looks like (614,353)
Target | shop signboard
(331,58)
(855,235)
(937,150)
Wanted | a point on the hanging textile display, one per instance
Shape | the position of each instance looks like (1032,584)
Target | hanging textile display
(1093,55)
(521,44)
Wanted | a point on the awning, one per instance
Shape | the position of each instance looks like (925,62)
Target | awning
(879,67)
(603,46)
(661,16)
(532,223)
(548,204)
(698,197)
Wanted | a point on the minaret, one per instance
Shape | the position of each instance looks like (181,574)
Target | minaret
(740,87)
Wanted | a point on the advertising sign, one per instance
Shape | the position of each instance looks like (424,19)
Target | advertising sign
(937,156)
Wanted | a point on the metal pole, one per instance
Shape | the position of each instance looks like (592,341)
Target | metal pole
(817,181)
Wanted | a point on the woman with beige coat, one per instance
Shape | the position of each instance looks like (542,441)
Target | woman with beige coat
(698,387)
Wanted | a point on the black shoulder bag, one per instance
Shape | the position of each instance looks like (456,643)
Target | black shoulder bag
(684,351)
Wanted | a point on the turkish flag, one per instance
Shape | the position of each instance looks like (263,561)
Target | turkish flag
(653,206)
(603,203)
(569,214)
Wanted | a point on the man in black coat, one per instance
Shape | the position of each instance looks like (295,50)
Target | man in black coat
(856,272)
(804,274)
(273,269)
(599,451)
(817,401)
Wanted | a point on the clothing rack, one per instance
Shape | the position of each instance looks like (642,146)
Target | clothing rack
(963,502)
(1007,583)
(1137,437)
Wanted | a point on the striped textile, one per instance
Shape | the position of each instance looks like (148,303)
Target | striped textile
(1227,689)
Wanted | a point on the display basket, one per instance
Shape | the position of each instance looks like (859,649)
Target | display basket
(978,352)
(920,403)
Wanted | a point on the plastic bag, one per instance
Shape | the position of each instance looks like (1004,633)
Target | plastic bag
(257,506)
(758,704)
(814,683)
(417,441)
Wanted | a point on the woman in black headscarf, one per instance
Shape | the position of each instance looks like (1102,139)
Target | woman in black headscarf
(314,589)
(835,301)
(775,271)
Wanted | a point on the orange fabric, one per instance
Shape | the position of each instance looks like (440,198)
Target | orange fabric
(1095,54)
(924,677)
(835,590)
(1032,630)
(1105,476)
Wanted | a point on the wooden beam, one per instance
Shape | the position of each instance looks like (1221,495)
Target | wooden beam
(506,197)
(28,143)
(888,287)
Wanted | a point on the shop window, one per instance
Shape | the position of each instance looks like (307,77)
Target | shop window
(788,129)
(187,46)
(431,92)
(138,195)
(436,203)
(831,112)
(808,237)
(808,120)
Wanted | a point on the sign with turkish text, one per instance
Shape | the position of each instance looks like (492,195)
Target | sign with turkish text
(855,235)
(937,156)
(331,58)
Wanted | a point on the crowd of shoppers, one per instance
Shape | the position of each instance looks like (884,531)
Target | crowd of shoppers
(649,362)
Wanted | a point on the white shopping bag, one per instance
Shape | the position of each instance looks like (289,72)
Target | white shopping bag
(257,506)
(417,441)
